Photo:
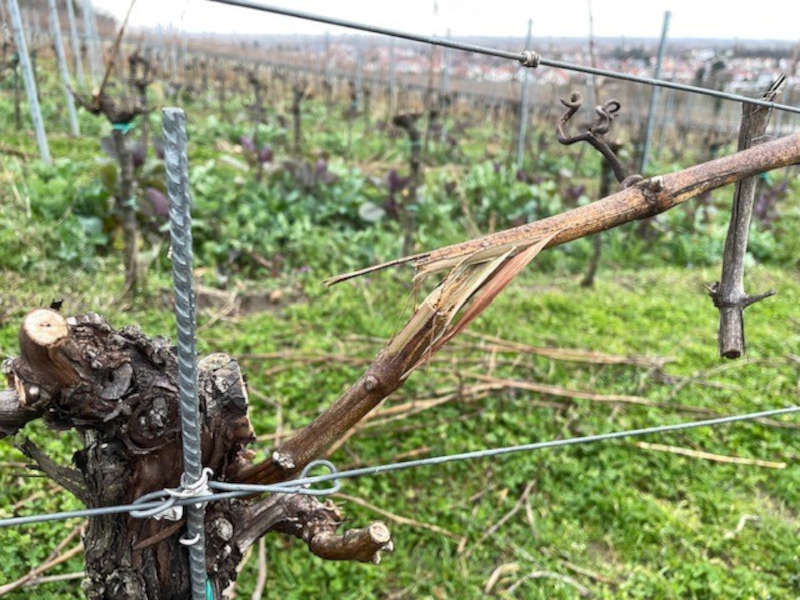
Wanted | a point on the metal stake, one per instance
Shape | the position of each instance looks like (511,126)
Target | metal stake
(445,86)
(180,221)
(58,43)
(76,47)
(173,56)
(30,84)
(91,42)
(26,26)
(392,81)
(523,105)
(654,94)
(359,67)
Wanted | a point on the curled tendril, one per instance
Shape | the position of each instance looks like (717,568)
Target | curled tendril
(605,115)
(595,132)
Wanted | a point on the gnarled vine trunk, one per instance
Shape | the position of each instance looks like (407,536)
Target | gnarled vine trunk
(119,389)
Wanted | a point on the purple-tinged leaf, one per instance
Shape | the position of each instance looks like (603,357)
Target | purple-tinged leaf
(247,143)
(155,204)
(265,155)
(138,154)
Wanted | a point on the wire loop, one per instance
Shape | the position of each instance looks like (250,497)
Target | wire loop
(167,510)
(332,470)
(196,488)
(190,541)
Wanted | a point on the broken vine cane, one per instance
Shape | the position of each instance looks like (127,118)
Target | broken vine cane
(493,258)
(635,202)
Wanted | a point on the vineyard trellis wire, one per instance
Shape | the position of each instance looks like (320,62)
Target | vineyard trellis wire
(527,58)
(301,483)
(195,486)
(727,123)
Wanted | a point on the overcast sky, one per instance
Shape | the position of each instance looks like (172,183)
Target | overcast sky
(774,19)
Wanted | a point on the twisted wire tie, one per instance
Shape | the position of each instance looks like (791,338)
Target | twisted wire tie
(203,487)
(167,510)
(530,59)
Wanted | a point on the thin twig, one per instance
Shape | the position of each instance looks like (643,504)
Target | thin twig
(114,50)
(10,587)
(705,373)
(721,458)
(588,573)
(553,390)
(55,578)
(397,457)
(261,579)
(29,499)
(399,519)
(740,526)
(490,531)
(498,572)
(571,354)
(540,574)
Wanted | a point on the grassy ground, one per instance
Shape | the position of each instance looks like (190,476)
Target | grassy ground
(615,518)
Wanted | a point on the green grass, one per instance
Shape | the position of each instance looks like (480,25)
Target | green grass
(655,523)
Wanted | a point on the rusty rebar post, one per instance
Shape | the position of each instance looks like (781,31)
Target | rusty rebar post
(175,159)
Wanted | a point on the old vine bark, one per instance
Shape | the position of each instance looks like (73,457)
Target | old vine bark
(118,388)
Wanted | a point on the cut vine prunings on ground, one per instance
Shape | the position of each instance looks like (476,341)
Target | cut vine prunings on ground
(569,354)
(399,519)
(721,458)
(553,390)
